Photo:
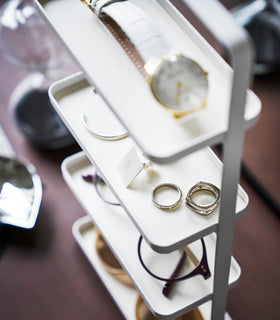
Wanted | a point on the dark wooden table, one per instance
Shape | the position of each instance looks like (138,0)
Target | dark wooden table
(44,275)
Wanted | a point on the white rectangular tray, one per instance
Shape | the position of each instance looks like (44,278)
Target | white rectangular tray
(124,296)
(122,237)
(74,95)
(125,90)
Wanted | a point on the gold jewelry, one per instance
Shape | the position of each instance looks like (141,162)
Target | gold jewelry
(166,206)
(177,82)
(203,209)
(109,262)
(130,166)
(142,312)
(102,137)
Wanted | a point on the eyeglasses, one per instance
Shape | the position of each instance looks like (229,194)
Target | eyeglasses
(98,182)
(201,268)
(112,266)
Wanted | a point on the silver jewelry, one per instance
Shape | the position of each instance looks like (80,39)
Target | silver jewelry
(166,206)
(102,137)
(203,209)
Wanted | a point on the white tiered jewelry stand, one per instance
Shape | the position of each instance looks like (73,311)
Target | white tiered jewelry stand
(180,150)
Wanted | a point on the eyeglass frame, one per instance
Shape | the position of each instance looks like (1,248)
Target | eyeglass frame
(201,269)
(95,179)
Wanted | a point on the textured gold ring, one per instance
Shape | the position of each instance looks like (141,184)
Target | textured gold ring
(203,209)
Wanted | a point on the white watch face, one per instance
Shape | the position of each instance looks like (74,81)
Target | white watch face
(180,83)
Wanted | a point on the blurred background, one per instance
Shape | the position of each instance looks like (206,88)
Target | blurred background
(40,267)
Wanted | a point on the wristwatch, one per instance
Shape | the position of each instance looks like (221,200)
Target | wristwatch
(177,82)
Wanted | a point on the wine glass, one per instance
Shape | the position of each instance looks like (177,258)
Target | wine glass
(27,42)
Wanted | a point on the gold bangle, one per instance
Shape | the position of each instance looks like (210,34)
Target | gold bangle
(99,136)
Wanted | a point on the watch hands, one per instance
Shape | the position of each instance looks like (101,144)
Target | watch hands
(178,93)
(181,85)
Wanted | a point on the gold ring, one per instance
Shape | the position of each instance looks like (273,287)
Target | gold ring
(203,209)
(166,206)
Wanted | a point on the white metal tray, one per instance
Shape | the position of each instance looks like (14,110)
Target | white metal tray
(124,296)
(74,95)
(108,68)
(122,237)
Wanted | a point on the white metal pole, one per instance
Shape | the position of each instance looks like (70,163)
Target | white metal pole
(236,43)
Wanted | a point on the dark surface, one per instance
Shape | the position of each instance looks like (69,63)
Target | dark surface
(44,275)
(39,122)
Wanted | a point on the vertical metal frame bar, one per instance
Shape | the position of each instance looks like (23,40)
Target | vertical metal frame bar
(236,43)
